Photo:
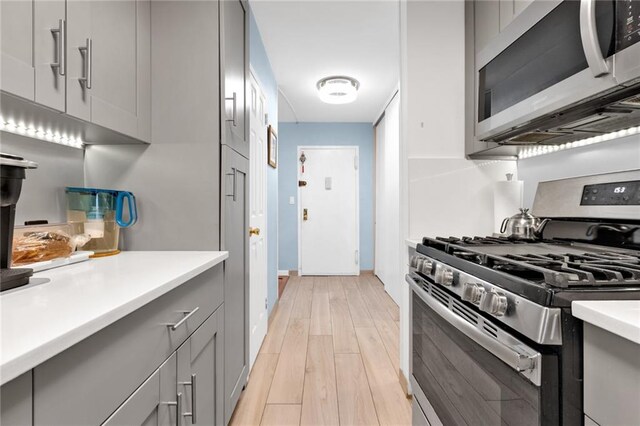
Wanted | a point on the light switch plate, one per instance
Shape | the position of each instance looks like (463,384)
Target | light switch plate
(292,200)
(327,183)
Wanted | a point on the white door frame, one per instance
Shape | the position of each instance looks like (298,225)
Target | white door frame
(298,176)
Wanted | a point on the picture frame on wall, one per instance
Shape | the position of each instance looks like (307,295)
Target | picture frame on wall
(272,147)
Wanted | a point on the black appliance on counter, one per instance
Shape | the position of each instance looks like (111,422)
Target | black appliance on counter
(12,173)
(493,340)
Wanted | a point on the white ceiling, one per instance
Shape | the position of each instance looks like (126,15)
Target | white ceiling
(309,40)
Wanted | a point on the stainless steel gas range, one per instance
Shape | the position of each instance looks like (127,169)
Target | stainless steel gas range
(493,340)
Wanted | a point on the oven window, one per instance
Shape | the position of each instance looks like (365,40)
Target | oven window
(465,384)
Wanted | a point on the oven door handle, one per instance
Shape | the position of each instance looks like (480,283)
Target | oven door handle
(509,350)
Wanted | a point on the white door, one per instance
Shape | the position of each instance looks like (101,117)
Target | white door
(258,316)
(328,215)
(387,257)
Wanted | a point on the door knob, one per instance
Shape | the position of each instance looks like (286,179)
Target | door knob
(254,231)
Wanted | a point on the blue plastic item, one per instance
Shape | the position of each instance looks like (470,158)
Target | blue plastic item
(95,202)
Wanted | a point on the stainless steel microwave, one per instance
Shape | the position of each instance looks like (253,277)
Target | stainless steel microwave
(561,71)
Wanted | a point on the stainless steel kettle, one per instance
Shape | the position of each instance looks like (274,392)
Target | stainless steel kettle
(523,226)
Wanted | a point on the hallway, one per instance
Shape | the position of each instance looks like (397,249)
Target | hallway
(330,357)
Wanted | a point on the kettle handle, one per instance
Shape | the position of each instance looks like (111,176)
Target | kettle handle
(133,209)
(503,227)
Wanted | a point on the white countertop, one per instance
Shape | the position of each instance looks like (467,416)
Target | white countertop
(61,307)
(620,317)
(413,243)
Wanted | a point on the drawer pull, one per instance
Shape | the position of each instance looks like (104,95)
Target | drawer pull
(175,326)
(178,405)
(193,385)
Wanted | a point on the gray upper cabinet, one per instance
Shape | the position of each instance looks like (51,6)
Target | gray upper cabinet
(201,372)
(109,57)
(487,22)
(16,44)
(49,49)
(16,401)
(235,239)
(152,404)
(234,61)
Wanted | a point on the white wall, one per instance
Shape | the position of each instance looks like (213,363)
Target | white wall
(446,194)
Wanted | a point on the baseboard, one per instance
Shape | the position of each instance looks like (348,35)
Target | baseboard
(366,272)
(404,384)
(293,273)
(284,273)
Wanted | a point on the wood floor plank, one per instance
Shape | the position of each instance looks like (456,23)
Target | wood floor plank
(336,290)
(390,335)
(288,379)
(281,415)
(391,405)
(302,304)
(320,398)
(354,395)
(321,285)
(320,314)
(376,307)
(253,399)
(291,290)
(357,308)
(278,328)
(344,335)
(385,299)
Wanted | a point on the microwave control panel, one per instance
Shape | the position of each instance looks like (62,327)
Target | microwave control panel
(612,194)
(628,23)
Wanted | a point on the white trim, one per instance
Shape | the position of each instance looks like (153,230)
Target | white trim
(395,92)
(283,273)
(301,148)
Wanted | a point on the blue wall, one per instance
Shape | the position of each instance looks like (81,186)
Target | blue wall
(293,135)
(264,73)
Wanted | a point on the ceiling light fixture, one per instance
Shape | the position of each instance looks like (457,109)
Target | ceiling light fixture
(338,89)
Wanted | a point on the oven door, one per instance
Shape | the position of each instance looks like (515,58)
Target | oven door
(466,370)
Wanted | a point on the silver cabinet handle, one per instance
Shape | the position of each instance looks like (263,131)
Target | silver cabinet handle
(61,46)
(234,99)
(193,385)
(87,51)
(590,43)
(175,326)
(178,405)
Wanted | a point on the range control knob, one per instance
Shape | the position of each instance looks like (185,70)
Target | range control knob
(472,292)
(426,267)
(444,275)
(413,262)
(494,302)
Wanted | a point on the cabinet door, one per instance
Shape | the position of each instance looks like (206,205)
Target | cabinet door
(506,13)
(49,47)
(109,64)
(154,403)
(16,45)
(200,373)
(235,240)
(16,401)
(487,22)
(234,63)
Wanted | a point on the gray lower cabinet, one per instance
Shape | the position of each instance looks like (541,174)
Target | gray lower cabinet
(201,373)
(16,48)
(235,239)
(234,65)
(86,383)
(154,403)
(16,401)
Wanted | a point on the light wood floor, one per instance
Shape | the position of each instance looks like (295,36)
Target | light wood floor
(330,358)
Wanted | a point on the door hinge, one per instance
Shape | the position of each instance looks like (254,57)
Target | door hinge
(357,256)
(265,303)
(355,162)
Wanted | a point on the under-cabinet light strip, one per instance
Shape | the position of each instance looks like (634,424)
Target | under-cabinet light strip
(548,149)
(40,133)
